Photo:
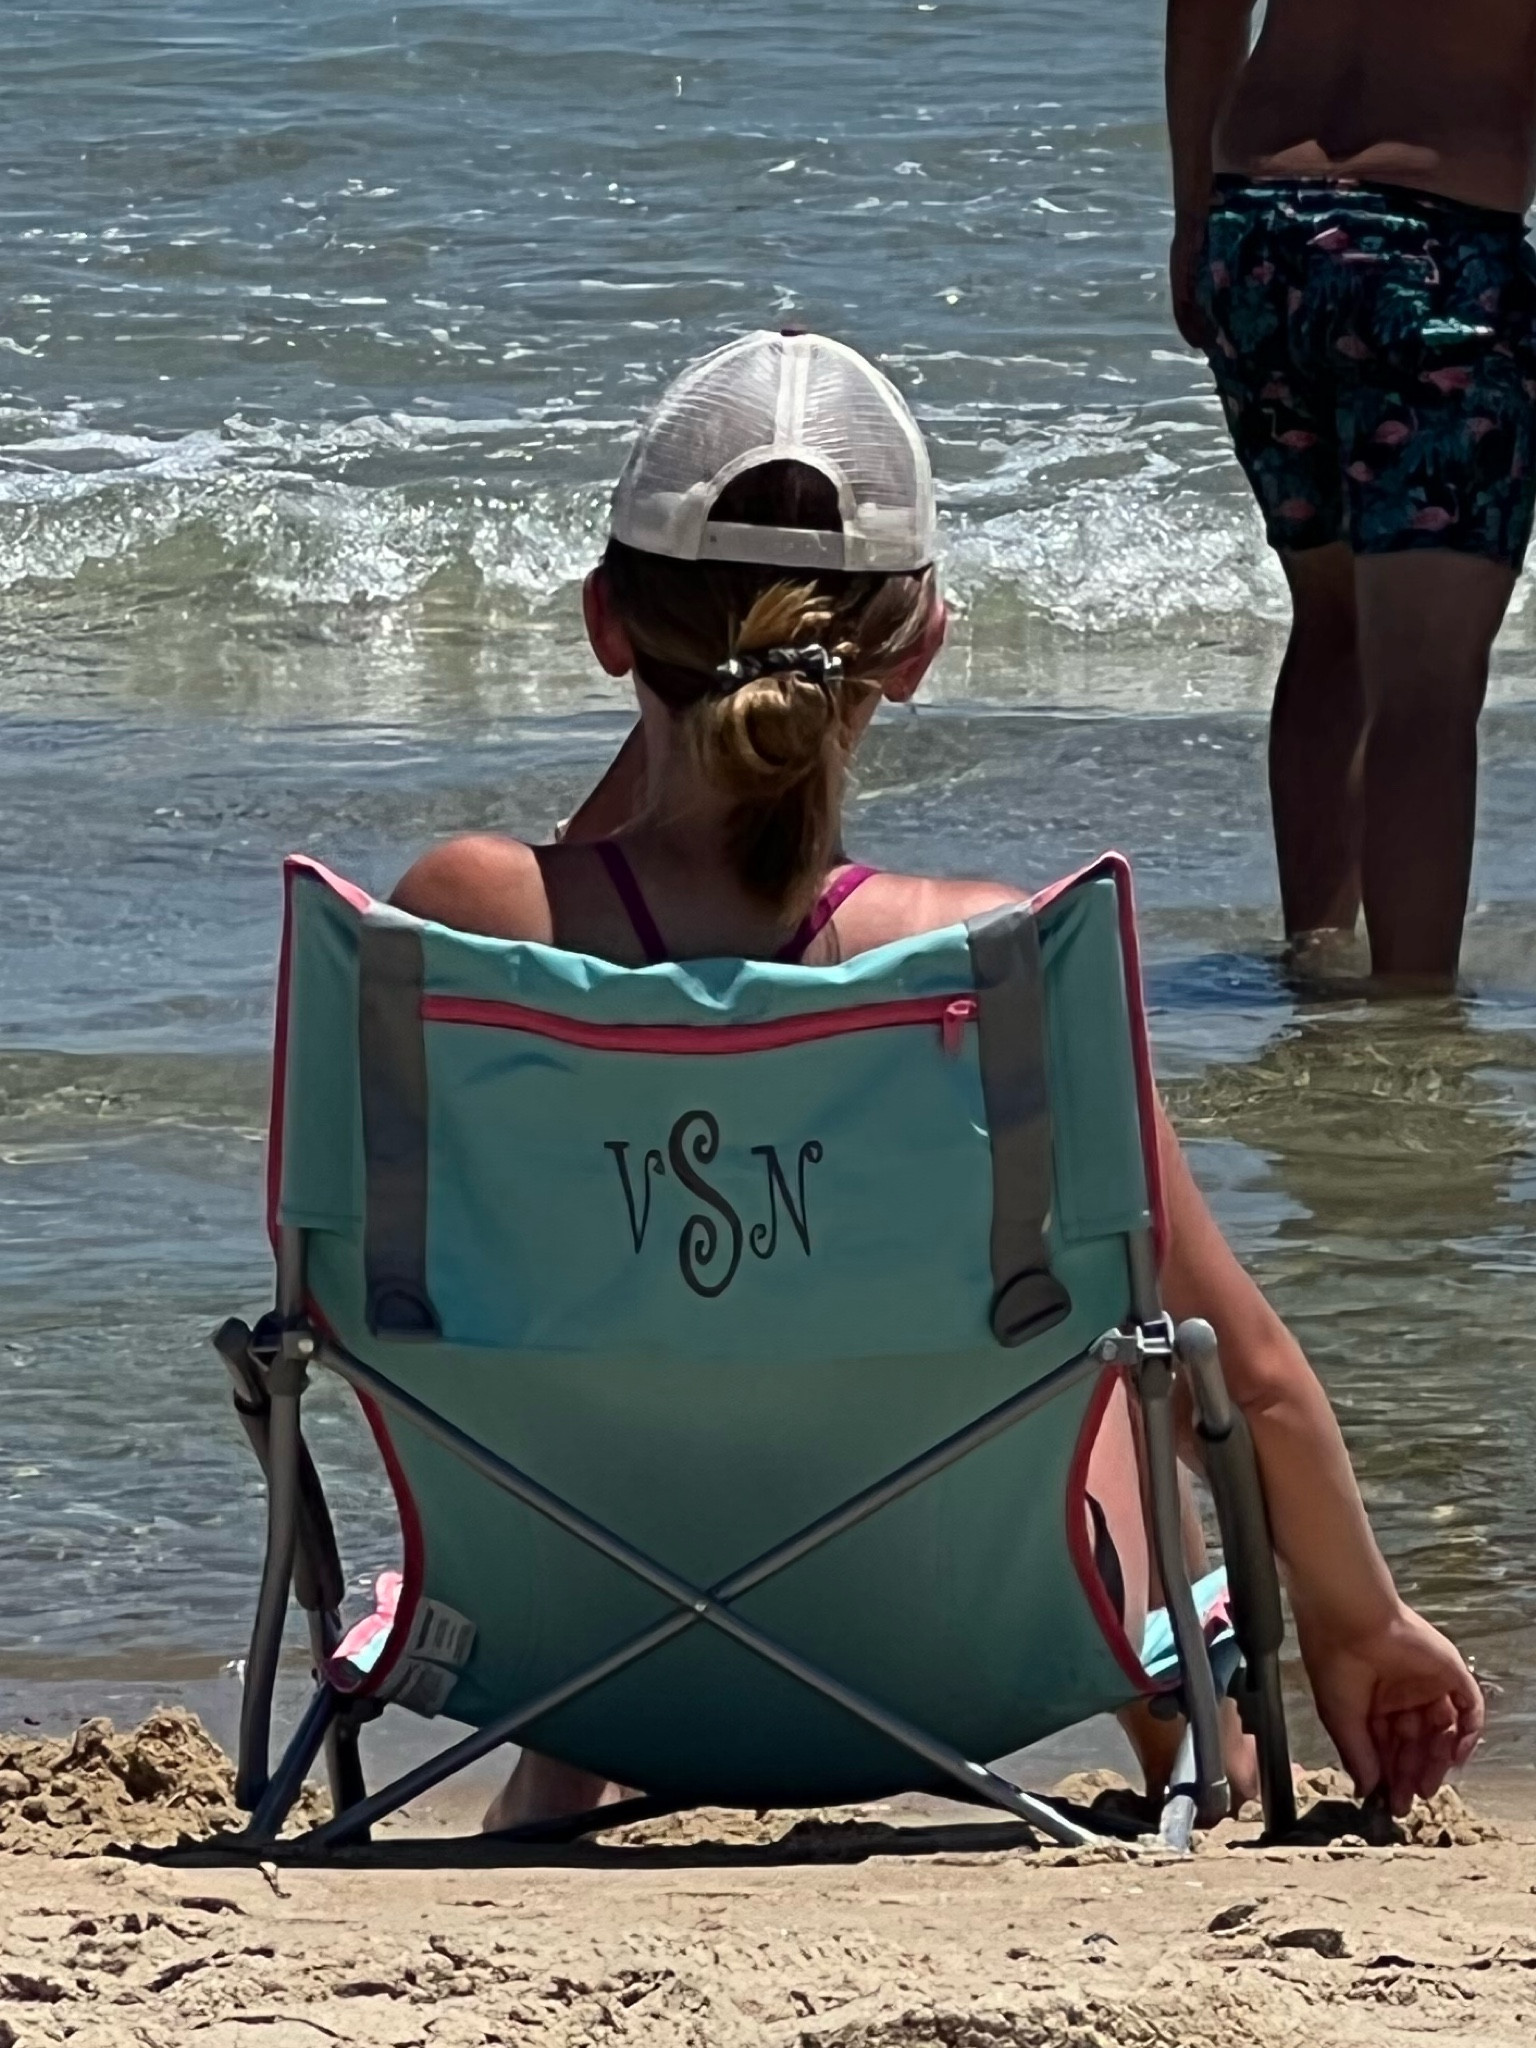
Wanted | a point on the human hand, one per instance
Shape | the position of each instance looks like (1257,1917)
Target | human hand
(1183,270)
(1399,1702)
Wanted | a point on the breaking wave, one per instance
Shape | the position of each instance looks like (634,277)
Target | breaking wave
(1093,535)
(378,509)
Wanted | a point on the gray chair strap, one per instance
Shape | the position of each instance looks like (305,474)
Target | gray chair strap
(392,1062)
(1027,1298)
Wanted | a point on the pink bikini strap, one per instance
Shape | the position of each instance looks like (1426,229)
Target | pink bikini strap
(627,889)
(826,906)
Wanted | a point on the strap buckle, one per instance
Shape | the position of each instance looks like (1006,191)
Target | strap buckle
(1144,1344)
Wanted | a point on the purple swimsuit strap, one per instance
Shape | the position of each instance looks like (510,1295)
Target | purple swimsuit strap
(638,911)
(648,933)
(825,908)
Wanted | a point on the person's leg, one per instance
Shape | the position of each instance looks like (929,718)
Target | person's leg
(1438,441)
(1427,621)
(1316,742)
(1115,1481)
(542,1788)
(1156,1741)
(1282,414)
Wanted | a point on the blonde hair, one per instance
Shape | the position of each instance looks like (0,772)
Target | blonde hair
(777,745)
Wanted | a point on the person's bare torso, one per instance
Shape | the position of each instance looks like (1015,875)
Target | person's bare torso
(1436,94)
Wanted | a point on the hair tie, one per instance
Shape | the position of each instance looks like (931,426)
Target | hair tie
(813,662)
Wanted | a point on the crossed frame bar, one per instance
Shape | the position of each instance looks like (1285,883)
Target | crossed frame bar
(1200,1788)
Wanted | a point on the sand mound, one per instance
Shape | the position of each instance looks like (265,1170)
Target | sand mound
(1329,1813)
(153,1784)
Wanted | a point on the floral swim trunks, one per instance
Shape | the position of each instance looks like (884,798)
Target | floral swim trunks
(1375,352)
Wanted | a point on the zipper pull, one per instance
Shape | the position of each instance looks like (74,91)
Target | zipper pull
(958,1014)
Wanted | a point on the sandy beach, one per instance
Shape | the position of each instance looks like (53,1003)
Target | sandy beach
(909,1923)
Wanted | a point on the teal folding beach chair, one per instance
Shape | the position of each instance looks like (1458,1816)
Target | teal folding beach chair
(735,1336)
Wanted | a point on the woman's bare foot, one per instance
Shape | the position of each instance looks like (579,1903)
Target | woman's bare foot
(1156,1743)
(542,1788)
(1240,1753)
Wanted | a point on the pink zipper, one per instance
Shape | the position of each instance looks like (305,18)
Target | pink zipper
(952,1014)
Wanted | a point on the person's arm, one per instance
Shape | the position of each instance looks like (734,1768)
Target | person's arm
(616,798)
(1206,49)
(1394,1694)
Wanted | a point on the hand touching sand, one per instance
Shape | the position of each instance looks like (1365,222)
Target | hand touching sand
(1401,1706)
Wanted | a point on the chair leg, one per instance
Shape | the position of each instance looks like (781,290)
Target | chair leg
(1176,1826)
(1262,1706)
(1258,1618)
(272,1602)
(343,1758)
(285,1381)
(344,1767)
(1154,1382)
(287,1781)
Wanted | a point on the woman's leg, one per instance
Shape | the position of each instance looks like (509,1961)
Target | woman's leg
(1115,1482)
(542,1788)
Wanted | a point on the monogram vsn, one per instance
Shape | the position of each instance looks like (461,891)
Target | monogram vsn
(710,1243)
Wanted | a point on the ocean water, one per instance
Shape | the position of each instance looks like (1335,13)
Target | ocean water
(323,330)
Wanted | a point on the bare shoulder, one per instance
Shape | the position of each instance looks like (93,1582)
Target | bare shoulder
(478,883)
(951,901)
(899,906)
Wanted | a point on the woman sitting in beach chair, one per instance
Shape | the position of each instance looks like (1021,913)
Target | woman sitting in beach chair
(769,580)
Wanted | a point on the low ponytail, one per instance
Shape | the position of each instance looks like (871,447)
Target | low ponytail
(773,738)
(777,744)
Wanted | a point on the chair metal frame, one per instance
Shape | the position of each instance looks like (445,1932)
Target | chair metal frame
(270,1370)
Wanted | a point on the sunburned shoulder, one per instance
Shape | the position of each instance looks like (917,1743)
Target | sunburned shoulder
(481,882)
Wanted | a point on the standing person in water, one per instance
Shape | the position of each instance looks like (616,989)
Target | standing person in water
(768,583)
(1350,252)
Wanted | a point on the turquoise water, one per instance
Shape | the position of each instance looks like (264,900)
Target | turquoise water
(323,330)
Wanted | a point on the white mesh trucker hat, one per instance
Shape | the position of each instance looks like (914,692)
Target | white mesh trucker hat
(780,398)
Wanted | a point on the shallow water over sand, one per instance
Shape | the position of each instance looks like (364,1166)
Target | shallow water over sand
(1375,1164)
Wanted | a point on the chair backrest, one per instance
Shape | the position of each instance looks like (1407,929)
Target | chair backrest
(705,1248)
